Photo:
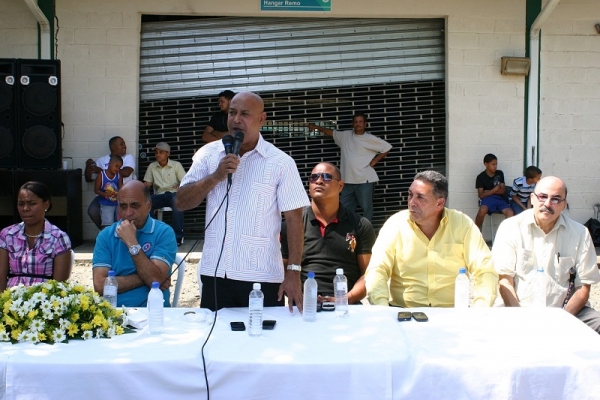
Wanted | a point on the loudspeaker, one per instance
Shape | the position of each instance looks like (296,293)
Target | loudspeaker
(39,129)
(8,114)
(65,186)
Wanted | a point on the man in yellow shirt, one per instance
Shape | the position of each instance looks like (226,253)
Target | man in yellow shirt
(420,250)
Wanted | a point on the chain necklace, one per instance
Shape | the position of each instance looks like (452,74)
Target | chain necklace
(33,236)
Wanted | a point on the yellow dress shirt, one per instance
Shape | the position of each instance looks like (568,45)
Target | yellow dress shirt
(165,179)
(421,272)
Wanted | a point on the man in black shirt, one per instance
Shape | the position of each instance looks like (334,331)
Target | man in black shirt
(334,237)
(217,126)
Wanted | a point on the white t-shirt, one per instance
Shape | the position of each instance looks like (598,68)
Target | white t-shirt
(128,161)
(357,152)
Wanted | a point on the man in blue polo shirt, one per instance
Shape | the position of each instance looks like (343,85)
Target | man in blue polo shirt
(140,249)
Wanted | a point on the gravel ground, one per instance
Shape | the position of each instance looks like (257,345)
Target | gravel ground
(190,294)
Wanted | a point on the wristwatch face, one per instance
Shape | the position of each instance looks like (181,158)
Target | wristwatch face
(294,267)
(135,249)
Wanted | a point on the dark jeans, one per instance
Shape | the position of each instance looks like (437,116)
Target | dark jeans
(232,293)
(362,193)
(167,199)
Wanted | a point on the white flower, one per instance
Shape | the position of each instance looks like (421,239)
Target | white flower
(99,333)
(38,297)
(59,336)
(37,325)
(64,323)
(87,335)
(4,337)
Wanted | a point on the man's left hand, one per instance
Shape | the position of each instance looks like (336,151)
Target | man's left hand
(127,233)
(292,287)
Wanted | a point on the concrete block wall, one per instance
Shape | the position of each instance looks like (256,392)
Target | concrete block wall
(570,102)
(18,31)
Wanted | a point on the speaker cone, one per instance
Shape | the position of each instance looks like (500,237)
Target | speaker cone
(39,98)
(39,142)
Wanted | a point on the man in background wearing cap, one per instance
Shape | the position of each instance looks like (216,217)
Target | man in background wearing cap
(166,175)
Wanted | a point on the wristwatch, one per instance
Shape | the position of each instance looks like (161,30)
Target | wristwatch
(294,267)
(135,249)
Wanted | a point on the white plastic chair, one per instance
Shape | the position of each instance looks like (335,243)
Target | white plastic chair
(180,275)
(159,212)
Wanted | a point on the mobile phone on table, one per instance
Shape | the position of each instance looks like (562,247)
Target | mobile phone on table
(404,316)
(269,324)
(237,326)
(420,316)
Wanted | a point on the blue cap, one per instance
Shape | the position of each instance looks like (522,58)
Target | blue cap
(111,273)
(462,270)
(155,285)
(311,274)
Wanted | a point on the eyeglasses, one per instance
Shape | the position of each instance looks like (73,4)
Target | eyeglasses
(553,200)
(327,177)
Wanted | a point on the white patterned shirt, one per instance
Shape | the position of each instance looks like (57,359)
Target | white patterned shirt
(265,184)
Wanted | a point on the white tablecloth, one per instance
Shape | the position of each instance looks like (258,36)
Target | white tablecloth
(476,353)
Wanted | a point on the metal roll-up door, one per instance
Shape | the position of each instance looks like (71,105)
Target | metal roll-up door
(306,70)
(205,56)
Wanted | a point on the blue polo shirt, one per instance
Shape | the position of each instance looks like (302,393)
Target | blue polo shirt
(158,242)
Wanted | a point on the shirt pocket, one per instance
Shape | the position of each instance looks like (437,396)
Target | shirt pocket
(525,262)
(561,274)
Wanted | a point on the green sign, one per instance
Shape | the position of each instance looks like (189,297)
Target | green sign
(295,5)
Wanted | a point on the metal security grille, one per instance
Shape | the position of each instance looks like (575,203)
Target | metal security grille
(205,56)
(405,105)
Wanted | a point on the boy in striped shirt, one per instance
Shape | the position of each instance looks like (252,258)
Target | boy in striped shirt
(522,188)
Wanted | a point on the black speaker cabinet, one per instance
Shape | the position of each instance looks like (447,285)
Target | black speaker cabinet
(8,114)
(38,94)
(65,186)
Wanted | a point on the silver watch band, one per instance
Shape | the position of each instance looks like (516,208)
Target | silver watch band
(294,267)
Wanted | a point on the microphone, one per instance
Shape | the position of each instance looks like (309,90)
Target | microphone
(228,143)
(238,138)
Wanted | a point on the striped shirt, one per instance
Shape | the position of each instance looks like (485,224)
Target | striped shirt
(265,184)
(522,189)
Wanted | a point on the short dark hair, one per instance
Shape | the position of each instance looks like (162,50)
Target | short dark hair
(359,114)
(228,94)
(489,158)
(532,171)
(436,180)
(115,158)
(40,190)
(112,140)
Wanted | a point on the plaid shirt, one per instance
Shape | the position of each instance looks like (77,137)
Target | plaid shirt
(39,260)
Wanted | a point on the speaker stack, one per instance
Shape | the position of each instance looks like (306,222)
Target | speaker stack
(30,119)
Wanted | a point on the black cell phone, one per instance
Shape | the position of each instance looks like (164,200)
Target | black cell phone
(420,317)
(328,306)
(237,326)
(404,316)
(269,324)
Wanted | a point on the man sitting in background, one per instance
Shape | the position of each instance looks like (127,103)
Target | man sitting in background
(544,238)
(334,237)
(166,175)
(140,249)
(420,250)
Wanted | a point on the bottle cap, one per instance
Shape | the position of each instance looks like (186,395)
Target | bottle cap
(155,285)
(462,270)
(311,274)
(339,271)
(256,286)
(540,269)
(111,273)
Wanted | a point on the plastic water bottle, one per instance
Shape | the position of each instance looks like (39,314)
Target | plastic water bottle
(340,291)
(461,289)
(156,309)
(255,315)
(110,288)
(539,289)
(309,312)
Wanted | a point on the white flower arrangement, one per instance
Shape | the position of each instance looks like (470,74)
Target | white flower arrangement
(53,312)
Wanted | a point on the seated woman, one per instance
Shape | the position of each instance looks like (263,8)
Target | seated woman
(34,250)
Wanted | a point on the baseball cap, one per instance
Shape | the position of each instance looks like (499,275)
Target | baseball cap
(163,146)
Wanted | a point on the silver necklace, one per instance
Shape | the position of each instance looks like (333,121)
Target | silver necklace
(33,236)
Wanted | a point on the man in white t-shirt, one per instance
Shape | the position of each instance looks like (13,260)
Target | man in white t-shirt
(360,152)
(117,147)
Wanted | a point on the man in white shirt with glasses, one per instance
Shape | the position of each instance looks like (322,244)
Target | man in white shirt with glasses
(543,237)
